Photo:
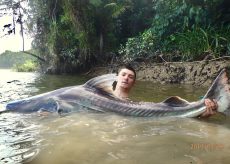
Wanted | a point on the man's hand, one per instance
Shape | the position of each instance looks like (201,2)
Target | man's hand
(211,108)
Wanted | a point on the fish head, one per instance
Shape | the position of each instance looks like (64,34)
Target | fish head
(32,105)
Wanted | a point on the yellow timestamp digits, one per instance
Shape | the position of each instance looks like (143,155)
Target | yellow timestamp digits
(206,146)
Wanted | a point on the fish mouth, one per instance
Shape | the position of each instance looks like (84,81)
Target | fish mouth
(2,107)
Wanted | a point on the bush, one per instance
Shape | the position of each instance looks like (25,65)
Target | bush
(28,66)
(141,46)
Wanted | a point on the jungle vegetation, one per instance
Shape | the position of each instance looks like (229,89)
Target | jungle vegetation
(19,61)
(75,35)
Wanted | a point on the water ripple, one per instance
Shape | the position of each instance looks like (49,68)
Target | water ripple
(19,139)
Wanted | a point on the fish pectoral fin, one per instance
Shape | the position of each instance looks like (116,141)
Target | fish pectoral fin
(176,101)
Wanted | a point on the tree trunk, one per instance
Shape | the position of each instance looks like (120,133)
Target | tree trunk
(21,25)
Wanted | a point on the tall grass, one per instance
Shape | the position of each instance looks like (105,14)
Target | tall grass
(198,43)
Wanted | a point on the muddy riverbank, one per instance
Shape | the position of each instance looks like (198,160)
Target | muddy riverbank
(196,73)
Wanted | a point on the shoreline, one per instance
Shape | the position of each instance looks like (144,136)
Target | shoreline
(195,73)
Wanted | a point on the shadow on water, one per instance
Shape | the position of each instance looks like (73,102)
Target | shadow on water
(107,138)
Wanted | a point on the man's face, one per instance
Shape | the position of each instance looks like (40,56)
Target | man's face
(125,79)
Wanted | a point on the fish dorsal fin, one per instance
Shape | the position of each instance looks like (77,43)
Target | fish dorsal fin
(101,83)
(176,101)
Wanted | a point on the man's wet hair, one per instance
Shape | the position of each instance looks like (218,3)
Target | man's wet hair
(129,67)
(125,66)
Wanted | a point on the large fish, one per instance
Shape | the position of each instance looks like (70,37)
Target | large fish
(96,95)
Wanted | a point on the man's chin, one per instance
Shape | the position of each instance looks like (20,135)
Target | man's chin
(125,86)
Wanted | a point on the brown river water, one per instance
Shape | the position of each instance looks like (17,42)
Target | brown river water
(90,138)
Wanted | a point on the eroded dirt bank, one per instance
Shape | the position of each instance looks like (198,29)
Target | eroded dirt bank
(196,73)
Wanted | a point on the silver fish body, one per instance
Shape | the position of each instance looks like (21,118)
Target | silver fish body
(96,95)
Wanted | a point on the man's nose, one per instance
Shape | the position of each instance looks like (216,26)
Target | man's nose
(126,77)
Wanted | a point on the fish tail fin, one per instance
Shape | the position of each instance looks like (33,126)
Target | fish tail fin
(103,83)
(219,91)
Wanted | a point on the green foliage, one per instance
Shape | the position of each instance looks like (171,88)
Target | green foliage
(73,35)
(39,24)
(141,46)
(75,32)
(181,29)
(28,66)
(195,44)
(137,18)
(177,16)
(8,59)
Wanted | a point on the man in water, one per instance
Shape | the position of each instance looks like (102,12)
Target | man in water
(126,80)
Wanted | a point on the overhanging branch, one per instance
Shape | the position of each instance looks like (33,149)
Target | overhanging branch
(34,55)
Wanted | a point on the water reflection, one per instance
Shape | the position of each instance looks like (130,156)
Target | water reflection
(16,85)
(45,83)
(147,91)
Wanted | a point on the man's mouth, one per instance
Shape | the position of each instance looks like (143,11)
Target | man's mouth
(124,82)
